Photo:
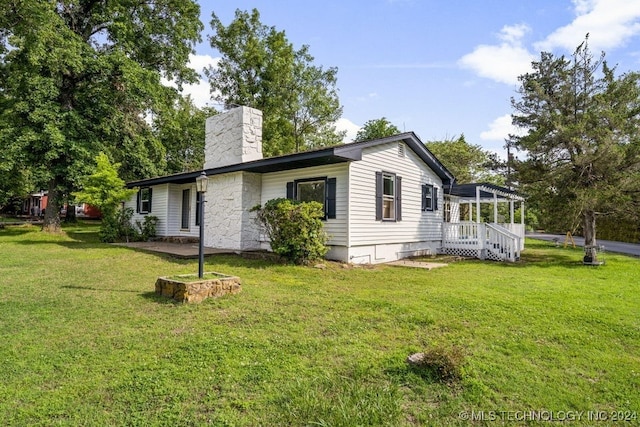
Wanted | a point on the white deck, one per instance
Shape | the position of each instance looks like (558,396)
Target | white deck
(499,242)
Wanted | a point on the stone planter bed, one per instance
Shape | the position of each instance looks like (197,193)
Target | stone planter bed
(188,288)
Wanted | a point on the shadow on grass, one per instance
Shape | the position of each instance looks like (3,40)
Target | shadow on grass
(88,288)
(15,231)
(157,298)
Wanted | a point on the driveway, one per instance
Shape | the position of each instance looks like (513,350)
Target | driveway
(609,245)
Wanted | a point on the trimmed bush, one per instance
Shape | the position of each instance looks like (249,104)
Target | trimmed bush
(295,229)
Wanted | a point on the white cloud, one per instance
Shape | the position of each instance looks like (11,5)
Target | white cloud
(504,62)
(200,91)
(500,129)
(351,128)
(610,23)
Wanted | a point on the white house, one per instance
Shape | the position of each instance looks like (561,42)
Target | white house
(384,199)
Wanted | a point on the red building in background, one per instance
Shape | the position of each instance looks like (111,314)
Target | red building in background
(36,205)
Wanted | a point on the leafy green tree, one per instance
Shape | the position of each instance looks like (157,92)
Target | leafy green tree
(181,131)
(468,162)
(78,77)
(582,140)
(260,68)
(377,128)
(103,189)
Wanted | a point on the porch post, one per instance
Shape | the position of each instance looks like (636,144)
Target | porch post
(495,208)
(478,205)
(522,213)
(511,210)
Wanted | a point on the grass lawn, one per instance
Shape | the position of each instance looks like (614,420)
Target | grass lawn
(85,341)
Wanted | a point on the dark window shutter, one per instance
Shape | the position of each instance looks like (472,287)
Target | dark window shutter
(290,190)
(378,196)
(150,194)
(331,198)
(138,202)
(398,198)
(424,197)
(435,199)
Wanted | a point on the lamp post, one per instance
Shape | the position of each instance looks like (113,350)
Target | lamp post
(201,188)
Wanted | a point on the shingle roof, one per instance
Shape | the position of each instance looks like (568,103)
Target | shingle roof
(324,156)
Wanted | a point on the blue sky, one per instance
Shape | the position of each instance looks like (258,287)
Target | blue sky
(438,68)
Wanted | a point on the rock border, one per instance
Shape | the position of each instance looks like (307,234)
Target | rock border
(199,290)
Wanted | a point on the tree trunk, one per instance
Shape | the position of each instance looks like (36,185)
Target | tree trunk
(590,253)
(52,213)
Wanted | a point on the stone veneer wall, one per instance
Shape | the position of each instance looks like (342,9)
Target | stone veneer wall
(228,222)
(233,137)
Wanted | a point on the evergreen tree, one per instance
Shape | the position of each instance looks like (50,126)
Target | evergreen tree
(582,140)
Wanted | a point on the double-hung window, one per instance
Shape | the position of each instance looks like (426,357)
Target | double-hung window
(429,197)
(388,196)
(143,205)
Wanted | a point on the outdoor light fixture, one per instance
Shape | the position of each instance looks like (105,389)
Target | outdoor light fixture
(201,188)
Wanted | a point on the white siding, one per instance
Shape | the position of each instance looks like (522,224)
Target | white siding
(415,225)
(159,200)
(274,185)
(174,209)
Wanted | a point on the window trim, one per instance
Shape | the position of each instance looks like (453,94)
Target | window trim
(433,190)
(140,201)
(392,198)
(329,203)
(380,196)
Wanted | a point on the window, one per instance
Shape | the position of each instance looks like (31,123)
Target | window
(186,209)
(144,200)
(321,190)
(388,197)
(311,191)
(429,197)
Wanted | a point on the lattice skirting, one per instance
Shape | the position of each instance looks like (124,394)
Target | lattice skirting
(472,253)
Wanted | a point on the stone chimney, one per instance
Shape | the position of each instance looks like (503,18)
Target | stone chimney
(232,137)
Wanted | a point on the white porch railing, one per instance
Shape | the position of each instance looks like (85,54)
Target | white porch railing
(481,240)
(518,230)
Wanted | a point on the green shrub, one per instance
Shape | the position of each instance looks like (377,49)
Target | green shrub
(116,226)
(147,228)
(295,229)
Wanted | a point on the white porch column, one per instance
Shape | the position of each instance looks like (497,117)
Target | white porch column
(478,205)
(495,208)
(511,210)
(522,213)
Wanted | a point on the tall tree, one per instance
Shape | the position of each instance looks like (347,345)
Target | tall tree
(260,68)
(78,77)
(181,131)
(582,140)
(376,128)
(468,162)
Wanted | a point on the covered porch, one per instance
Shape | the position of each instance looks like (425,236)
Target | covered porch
(496,236)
